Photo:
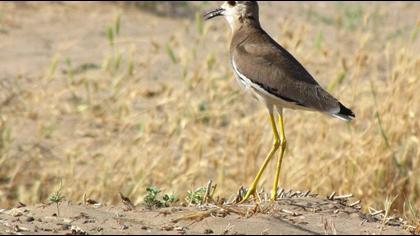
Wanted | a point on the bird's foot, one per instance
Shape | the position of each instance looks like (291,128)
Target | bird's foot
(251,192)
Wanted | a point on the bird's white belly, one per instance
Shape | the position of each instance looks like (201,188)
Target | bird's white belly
(246,85)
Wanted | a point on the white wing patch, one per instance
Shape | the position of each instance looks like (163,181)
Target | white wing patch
(243,81)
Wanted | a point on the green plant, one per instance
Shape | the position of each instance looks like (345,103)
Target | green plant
(196,197)
(117,24)
(171,54)
(110,36)
(168,199)
(70,73)
(5,140)
(1,22)
(151,199)
(114,60)
(5,137)
(319,38)
(52,67)
(352,15)
(337,81)
(411,213)
(113,30)
(199,24)
(57,197)
(47,131)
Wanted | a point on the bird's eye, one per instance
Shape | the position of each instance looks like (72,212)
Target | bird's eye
(231,3)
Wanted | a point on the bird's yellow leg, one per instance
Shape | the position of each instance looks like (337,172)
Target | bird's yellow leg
(276,145)
(280,160)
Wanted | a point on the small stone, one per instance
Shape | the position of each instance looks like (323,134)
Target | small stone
(180,229)
(29,219)
(124,227)
(89,221)
(67,221)
(91,202)
(18,229)
(167,228)
(18,214)
(65,226)
(208,231)
(15,212)
(78,231)
(20,205)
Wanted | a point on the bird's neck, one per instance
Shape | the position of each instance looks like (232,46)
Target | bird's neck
(237,23)
(251,21)
(242,32)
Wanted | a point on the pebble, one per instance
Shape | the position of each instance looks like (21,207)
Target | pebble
(18,214)
(65,226)
(67,221)
(124,227)
(15,212)
(29,219)
(208,231)
(167,228)
(77,230)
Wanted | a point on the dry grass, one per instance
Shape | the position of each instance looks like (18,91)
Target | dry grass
(120,126)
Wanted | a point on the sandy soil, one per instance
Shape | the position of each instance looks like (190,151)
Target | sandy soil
(291,215)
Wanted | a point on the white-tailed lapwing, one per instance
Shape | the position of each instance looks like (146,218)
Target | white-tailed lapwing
(273,76)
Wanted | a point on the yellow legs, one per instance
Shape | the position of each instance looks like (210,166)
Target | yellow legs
(279,141)
(283,144)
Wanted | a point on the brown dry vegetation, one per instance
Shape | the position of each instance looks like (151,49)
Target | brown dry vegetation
(156,103)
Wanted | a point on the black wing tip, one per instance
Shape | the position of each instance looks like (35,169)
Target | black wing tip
(345,113)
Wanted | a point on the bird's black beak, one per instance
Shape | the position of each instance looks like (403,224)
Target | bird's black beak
(215,13)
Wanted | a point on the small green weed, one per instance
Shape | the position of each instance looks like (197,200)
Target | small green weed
(57,197)
(196,197)
(151,200)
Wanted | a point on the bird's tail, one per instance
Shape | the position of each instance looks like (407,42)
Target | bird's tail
(344,113)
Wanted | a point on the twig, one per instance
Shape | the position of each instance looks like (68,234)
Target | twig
(280,194)
(127,202)
(343,197)
(290,212)
(207,193)
(331,197)
(377,213)
(355,203)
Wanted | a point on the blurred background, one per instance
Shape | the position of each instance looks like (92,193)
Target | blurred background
(119,96)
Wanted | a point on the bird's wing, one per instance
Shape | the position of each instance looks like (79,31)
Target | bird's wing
(272,68)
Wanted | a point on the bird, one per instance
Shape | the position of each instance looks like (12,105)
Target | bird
(274,77)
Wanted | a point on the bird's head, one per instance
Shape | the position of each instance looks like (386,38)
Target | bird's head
(236,13)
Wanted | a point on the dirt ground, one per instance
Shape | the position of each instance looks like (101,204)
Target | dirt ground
(291,215)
